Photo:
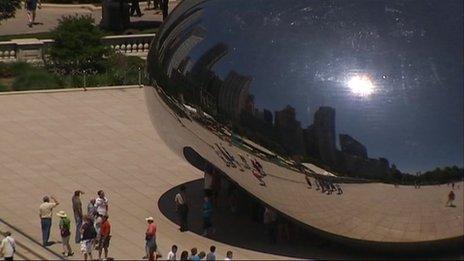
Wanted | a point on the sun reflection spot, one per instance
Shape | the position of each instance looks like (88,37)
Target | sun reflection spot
(361,85)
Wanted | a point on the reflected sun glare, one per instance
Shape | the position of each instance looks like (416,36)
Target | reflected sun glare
(361,85)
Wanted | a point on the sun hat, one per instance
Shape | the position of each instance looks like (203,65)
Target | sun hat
(149,219)
(61,213)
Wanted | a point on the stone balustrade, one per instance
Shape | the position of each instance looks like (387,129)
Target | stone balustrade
(33,50)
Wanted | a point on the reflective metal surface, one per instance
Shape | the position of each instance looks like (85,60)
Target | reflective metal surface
(362,95)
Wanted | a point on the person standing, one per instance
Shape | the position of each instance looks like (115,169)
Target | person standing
(207,213)
(212,253)
(45,214)
(150,238)
(31,7)
(101,205)
(184,256)
(91,209)
(135,8)
(181,201)
(172,253)
(104,237)
(164,5)
(77,209)
(193,254)
(8,247)
(88,235)
(229,256)
(65,232)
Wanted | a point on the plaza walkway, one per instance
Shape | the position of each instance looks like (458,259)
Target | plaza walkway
(58,142)
(48,18)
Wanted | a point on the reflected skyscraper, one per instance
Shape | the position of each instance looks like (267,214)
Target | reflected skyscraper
(234,94)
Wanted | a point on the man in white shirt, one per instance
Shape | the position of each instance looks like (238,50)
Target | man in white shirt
(101,203)
(172,253)
(181,201)
(8,247)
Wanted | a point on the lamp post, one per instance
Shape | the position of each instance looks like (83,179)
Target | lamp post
(85,81)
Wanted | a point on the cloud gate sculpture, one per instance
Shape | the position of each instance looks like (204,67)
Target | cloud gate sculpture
(345,116)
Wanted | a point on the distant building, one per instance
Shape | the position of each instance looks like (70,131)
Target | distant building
(267,116)
(290,131)
(324,134)
(351,146)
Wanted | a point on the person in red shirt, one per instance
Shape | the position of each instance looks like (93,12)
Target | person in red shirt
(150,238)
(104,237)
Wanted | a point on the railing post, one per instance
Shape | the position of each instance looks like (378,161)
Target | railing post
(140,77)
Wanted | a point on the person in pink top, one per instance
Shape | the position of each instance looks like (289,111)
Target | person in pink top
(150,238)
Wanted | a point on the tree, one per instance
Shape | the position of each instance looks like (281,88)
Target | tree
(78,46)
(8,8)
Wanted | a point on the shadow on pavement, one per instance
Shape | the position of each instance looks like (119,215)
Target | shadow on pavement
(244,229)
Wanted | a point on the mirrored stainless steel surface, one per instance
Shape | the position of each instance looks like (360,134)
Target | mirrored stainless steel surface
(362,100)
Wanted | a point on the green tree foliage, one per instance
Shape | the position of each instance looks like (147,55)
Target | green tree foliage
(77,46)
(8,8)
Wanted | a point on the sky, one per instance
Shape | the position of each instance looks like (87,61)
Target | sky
(303,53)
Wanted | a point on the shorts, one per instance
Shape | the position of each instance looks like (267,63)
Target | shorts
(104,242)
(151,244)
(86,246)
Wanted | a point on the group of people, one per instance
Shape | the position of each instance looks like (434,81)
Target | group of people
(161,4)
(93,230)
(182,208)
(194,255)
(324,185)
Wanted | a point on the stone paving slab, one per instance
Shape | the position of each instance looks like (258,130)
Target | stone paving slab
(55,143)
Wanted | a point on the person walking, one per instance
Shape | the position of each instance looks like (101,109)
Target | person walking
(8,247)
(451,198)
(207,213)
(150,238)
(182,203)
(135,8)
(31,7)
(45,214)
(65,232)
(104,237)
(88,235)
(77,209)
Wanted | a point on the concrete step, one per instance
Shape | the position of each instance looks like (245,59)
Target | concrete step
(26,247)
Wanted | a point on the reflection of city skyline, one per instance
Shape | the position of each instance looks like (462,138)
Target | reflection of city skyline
(203,70)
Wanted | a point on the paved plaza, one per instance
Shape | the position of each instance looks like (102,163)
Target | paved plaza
(48,17)
(53,143)
(58,142)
